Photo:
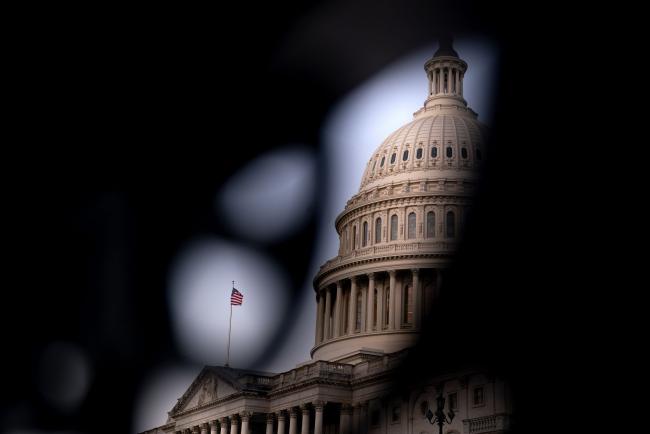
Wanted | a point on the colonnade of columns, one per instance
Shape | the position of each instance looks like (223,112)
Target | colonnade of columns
(349,423)
(447,80)
(348,318)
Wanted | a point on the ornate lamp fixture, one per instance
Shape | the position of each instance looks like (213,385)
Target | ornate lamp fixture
(439,417)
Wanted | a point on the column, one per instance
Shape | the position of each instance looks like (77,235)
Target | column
(318,417)
(245,416)
(433,82)
(337,309)
(399,305)
(344,421)
(371,301)
(213,427)
(356,418)
(293,414)
(380,307)
(234,424)
(319,318)
(204,428)
(269,423)
(352,314)
(417,306)
(457,81)
(364,305)
(281,417)
(305,419)
(363,423)
(224,425)
(391,301)
(430,77)
(461,83)
(328,313)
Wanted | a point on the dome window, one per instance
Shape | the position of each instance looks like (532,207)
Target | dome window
(392,158)
(434,152)
(418,153)
(431,224)
(450,152)
(411,226)
(393,227)
(383,159)
(364,235)
(478,154)
(378,230)
(373,165)
(463,153)
(405,155)
(451,224)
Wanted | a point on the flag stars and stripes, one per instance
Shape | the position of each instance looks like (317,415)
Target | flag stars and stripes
(236,298)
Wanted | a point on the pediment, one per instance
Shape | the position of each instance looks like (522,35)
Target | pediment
(208,386)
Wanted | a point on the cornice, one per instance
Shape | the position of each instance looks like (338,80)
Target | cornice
(328,269)
(212,404)
(308,383)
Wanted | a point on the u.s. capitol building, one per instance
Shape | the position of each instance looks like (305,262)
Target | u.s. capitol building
(397,236)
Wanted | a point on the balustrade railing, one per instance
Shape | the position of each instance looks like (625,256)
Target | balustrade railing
(384,249)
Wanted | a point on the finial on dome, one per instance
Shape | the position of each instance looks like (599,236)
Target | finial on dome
(445,47)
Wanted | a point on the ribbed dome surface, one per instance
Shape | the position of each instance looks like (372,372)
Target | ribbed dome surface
(407,152)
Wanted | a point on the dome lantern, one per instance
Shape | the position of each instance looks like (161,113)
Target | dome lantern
(445,71)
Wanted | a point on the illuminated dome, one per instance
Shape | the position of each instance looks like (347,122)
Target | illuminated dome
(435,145)
(399,232)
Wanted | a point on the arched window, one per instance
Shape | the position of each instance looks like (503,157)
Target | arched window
(407,307)
(434,152)
(393,227)
(411,225)
(378,230)
(405,155)
(364,235)
(418,153)
(357,325)
(374,165)
(431,224)
(451,224)
(354,238)
(450,152)
(463,153)
(392,158)
(478,154)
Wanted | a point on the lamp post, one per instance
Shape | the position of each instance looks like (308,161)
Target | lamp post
(439,417)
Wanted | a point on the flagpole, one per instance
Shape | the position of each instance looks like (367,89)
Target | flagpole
(229,328)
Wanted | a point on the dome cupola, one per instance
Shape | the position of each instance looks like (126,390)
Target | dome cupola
(399,232)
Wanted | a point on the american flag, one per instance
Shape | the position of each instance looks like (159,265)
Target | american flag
(236,298)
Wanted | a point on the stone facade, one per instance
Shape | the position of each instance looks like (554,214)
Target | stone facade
(397,236)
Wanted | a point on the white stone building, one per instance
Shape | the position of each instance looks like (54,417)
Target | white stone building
(397,235)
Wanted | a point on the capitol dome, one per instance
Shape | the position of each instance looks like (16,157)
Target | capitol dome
(399,232)
(427,148)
